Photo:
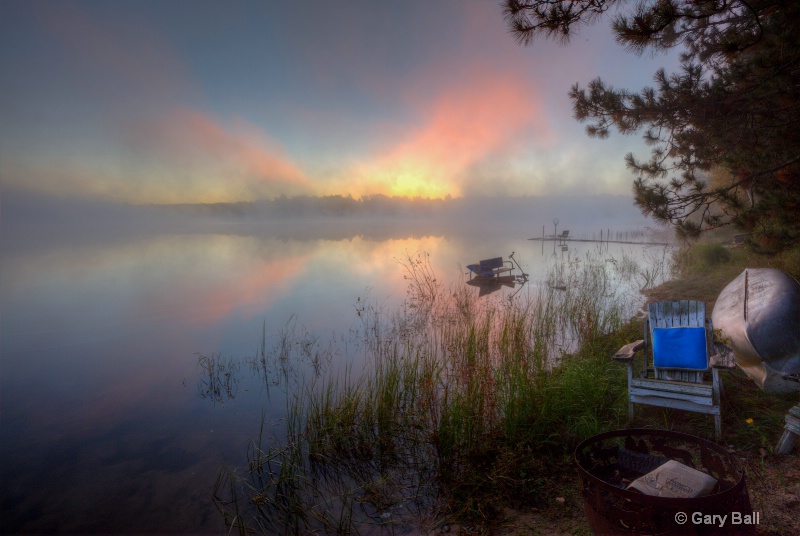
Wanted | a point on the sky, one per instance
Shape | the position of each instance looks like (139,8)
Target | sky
(207,101)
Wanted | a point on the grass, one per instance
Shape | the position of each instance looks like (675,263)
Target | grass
(467,407)
(219,378)
(460,404)
(702,270)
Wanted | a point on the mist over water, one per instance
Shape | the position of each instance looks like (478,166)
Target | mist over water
(29,210)
(105,425)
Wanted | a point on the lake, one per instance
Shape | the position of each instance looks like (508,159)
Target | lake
(108,423)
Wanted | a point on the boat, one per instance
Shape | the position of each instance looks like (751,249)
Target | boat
(497,270)
(759,315)
(507,280)
(489,285)
(490,269)
(492,274)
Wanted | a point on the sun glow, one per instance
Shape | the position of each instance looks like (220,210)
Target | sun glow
(418,184)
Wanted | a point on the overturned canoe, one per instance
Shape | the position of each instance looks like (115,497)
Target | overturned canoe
(759,315)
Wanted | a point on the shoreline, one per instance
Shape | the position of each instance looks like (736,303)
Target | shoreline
(753,420)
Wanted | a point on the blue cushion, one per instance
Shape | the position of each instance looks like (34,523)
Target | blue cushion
(680,348)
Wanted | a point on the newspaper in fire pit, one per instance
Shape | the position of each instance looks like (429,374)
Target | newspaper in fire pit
(673,479)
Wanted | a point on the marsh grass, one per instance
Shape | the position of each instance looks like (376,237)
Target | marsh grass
(456,408)
(294,354)
(219,379)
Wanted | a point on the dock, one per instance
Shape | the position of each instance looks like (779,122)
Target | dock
(600,241)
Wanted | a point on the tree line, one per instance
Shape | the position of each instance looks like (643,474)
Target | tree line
(320,207)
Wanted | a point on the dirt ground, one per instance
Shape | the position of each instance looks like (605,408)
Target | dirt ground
(773,484)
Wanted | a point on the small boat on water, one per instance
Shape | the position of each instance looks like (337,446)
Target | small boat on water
(491,274)
(497,270)
(489,285)
(759,315)
(490,269)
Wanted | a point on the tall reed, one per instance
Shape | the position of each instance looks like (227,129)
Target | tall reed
(454,393)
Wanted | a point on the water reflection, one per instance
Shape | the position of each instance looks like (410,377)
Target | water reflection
(101,390)
(219,382)
(492,286)
(297,356)
(365,453)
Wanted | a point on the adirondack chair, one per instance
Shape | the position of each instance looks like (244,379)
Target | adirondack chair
(682,362)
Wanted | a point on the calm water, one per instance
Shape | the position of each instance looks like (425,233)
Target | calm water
(104,427)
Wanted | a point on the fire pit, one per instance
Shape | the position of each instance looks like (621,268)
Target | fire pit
(609,462)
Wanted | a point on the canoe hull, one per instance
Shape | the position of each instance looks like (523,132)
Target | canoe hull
(759,315)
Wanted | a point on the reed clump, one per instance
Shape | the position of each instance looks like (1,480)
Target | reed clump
(459,405)
(706,256)
(219,378)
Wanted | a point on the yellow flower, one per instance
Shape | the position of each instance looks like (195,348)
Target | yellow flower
(749,421)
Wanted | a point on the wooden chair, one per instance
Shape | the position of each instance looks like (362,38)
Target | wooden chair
(682,362)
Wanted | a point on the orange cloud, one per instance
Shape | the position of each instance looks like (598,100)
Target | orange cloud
(182,155)
(468,122)
(218,162)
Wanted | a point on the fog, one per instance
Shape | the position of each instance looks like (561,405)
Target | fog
(29,217)
(106,308)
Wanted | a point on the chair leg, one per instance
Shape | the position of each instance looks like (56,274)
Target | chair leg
(786,443)
(791,432)
(630,379)
(717,394)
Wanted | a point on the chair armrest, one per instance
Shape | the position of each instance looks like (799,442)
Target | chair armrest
(723,357)
(626,352)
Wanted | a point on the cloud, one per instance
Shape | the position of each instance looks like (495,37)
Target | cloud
(186,156)
(420,100)
(224,162)
(155,148)
(481,116)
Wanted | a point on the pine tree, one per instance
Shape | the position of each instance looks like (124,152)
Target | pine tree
(733,104)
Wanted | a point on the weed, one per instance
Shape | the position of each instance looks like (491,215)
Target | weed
(456,401)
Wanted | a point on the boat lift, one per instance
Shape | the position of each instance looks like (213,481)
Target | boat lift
(492,274)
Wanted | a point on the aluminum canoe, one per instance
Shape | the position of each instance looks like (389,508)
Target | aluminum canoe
(759,315)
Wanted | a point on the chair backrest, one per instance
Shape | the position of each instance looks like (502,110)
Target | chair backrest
(491,264)
(680,339)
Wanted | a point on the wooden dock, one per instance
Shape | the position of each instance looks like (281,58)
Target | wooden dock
(599,241)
